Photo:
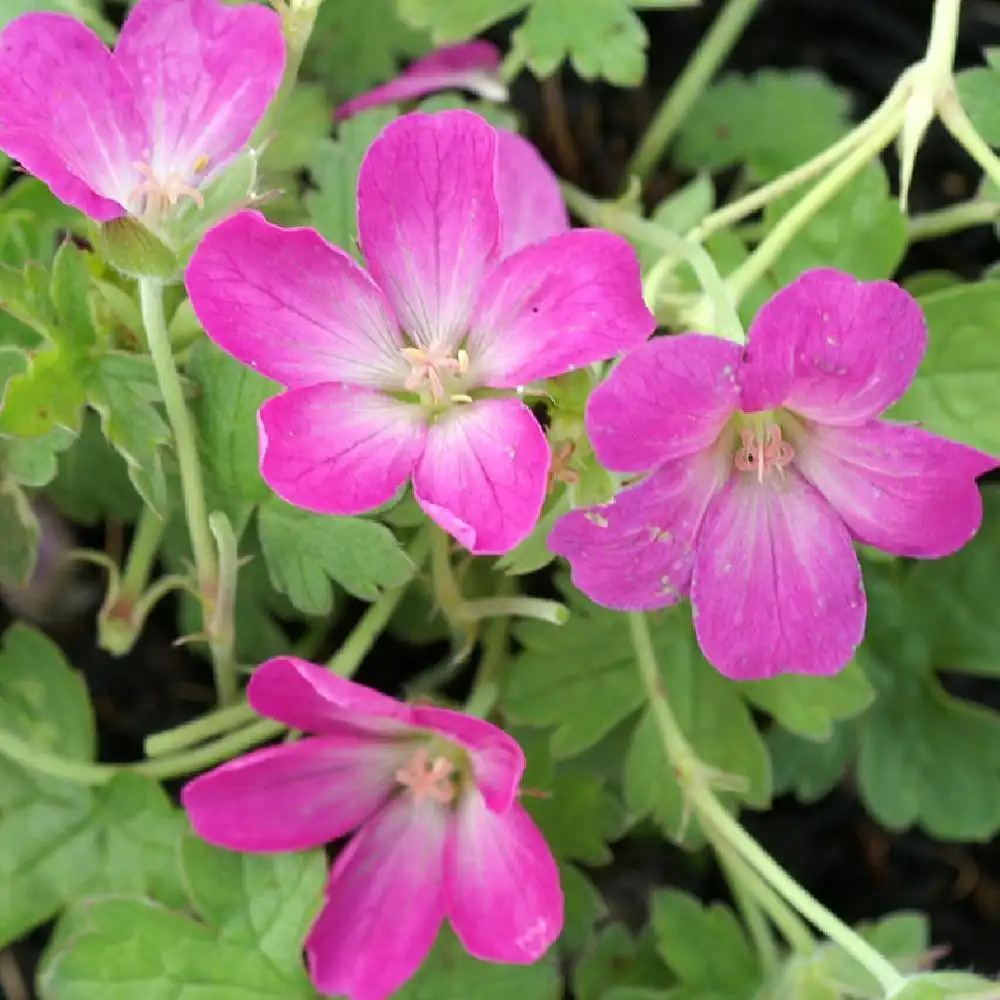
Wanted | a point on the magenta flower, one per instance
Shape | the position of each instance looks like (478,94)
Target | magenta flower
(433,796)
(472,66)
(410,369)
(140,129)
(768,462)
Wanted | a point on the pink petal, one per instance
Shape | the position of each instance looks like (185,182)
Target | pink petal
(338,449)
(294,796)
(471,66)
(67,112)
(901,489)
(497,759)
(384,903)
(203,73)
(776,586)
(305,696)
(428,219)
(502,884)
(483,474)
(531,205)
(669,398)
(833,348)
(637,553)
(554,306)
(295,308)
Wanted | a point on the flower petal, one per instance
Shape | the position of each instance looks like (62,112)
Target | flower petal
(483,474)
(294,796)
(384,903)
(832,348)
(669,398)
(553,306)
(428,219)
(497,758)
(338,449)
(305,696)
(637,552)
(67,112)
(502,884)
(531,205)
(901,489)
(472,66)
(203,73)
(295,308)
(776,586)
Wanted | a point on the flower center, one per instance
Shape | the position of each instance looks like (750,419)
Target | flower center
(162,194)
(432,368)
(762,450)
(428,777)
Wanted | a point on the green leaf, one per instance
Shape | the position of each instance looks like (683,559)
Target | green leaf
(71,292)
(24,297)
(809,706)
(305,552)
(979,94)
(679,213)
(772,122)
(861,231)
(957,389)
(334,170)
(49,394)
(33,461)
(449,973)
(806,768)
(585,908)
(225,412)
(92,482)
(19,538)
(357,43)
(123,389)
(618,960)
(704,945)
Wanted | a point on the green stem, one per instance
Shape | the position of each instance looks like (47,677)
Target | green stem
(755,200)
(518,606)
(222,625)
(945,221)
(185,440)
(789,225)
(142,553)
(704,64)
(753,918)
(718,823)
(222,720)
(486,689)
(726,322)
(957,122)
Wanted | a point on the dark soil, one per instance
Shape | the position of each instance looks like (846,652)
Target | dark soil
(587,132)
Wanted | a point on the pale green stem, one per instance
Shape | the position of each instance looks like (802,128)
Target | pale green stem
(791,224)
(945,221)
(755,200)
(142,553)
(957,122)
(486,690)
(718,823)
(519,606)
(222,720)
(597,213)
(222,625)
(695,77)
(185,440)
(753,917)
(940,55)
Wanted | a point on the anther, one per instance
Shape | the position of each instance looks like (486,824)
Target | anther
(763,451)
(166,193)
(428,364)
(426,778)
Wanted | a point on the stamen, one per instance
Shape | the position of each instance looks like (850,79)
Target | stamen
(164,194)
(428,778)
(763,451)
(428,364)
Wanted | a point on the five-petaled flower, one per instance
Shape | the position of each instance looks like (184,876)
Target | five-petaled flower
(144,129)
(411,368)
(441,834)
(473,66)
(767,463)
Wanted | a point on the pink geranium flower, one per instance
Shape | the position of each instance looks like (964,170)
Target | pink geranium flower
(432,794)
(410,369)
(768,462)
(138,130)
(472,66)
